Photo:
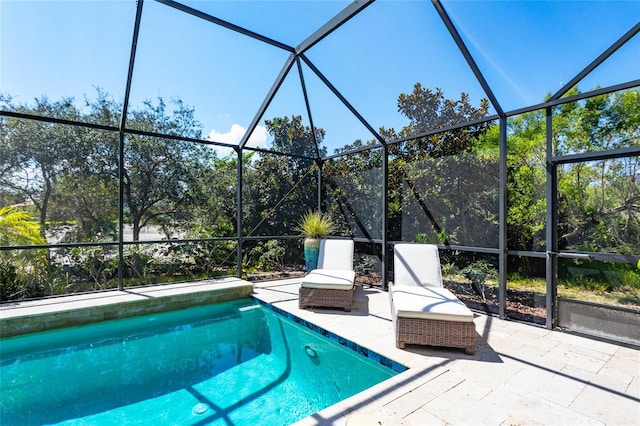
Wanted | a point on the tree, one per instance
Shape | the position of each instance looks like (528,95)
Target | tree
(214,197)
(353,188)
(526,178)
(159,173)
(35,154)
(599,201)
(77,166)
(287,184)
(426,111)
(438,185)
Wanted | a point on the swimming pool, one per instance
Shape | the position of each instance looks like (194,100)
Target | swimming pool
(236,363)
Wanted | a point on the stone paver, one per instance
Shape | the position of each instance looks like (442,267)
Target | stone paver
(520,375)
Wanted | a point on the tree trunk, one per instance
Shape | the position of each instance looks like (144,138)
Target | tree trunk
(136,267)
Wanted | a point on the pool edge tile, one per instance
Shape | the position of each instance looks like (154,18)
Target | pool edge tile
(395,366)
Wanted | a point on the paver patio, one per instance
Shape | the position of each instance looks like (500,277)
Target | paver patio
(520,375)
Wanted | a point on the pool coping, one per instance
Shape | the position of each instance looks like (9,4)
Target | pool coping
(33,316)
(374,356)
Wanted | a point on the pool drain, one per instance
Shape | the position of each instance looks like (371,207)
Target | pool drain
(199,409)
(311,352)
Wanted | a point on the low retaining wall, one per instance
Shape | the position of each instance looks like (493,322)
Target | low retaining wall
(603,321)
(48,314)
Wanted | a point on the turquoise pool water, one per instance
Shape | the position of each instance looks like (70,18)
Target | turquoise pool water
(236,363)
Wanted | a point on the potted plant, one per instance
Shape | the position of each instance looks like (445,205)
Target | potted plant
(314,226)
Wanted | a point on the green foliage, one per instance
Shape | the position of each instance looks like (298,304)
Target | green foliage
(77,167)
(61,282)
(428,110)
(213,207)
(442,188)
(590,284)
(519,280)
(598,200)
(424,238)
(450,268)
(599,276)
(22,272)
(91,201)
(279,189)
(291,136)
(630,299)
(343,177)
(478,271)
(34,154)
(365,264)
(11,284)
(526,180)
(432,238)
(206,258)
(315,224)
(95,267)
(267,255)
(17,228)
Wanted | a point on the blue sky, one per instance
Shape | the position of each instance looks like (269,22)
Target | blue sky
(525,49)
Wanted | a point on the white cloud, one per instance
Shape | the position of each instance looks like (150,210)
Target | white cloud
(258,138)
(233,137)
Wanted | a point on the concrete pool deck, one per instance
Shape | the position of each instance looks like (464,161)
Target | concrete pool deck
(519,375)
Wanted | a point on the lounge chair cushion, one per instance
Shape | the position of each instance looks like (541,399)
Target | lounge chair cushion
(438,303)
(336,254)
(417,264)
(337,279)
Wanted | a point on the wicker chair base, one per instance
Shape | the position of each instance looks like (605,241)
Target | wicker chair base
(420,331)
(324,297)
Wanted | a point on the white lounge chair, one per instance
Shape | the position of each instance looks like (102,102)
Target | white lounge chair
(423,311)
(331,284)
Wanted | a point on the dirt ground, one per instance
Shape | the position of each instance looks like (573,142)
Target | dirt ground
(521,305)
